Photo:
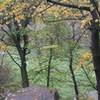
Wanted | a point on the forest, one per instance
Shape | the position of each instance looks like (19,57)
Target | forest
(49,50)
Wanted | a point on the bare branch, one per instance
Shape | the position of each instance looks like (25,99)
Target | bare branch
(63,19)
(96,5)
(13,59)
(70,5)
(2,60)
(92,84)
(43,10)
(5,31)
(10,54)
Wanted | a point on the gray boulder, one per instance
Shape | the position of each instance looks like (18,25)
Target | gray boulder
(34,93)
(92,95)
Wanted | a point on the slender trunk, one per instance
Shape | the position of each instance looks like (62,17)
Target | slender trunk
(49,67)
(87,76)
(73,75)
(49,64)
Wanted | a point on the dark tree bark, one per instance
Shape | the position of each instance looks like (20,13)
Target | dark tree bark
(49,63)
(22,52)
(96,57)
(95,39)
(25,82)
(73,75)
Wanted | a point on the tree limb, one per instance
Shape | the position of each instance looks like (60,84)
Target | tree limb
(13,59)
(92,84)
(70,5)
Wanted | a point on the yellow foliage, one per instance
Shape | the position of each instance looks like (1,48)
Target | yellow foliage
(54,11)
(4,4)
(85,57)
(77,14)
(19,17)
(86,22)
(41,7)
(7,2)
(2,7)
(67,12)
(17,10)
(3,47)
(19,7)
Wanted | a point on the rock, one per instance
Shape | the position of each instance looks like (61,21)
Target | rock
(92,95)
(34,93)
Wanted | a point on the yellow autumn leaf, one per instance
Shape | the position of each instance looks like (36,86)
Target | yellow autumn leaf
(3,46)
(19,17)
(77,14)
(87,56)
(2,7)
(86,22)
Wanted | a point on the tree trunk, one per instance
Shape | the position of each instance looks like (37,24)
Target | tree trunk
(22,54)
(25,82)
(95,47)
(73,75)
(96,57)
(49,67)
(49,63)
(24,74)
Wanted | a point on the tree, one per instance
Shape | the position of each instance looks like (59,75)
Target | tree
(95,30)
(14,19)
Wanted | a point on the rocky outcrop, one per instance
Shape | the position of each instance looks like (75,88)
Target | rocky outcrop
(34,93)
